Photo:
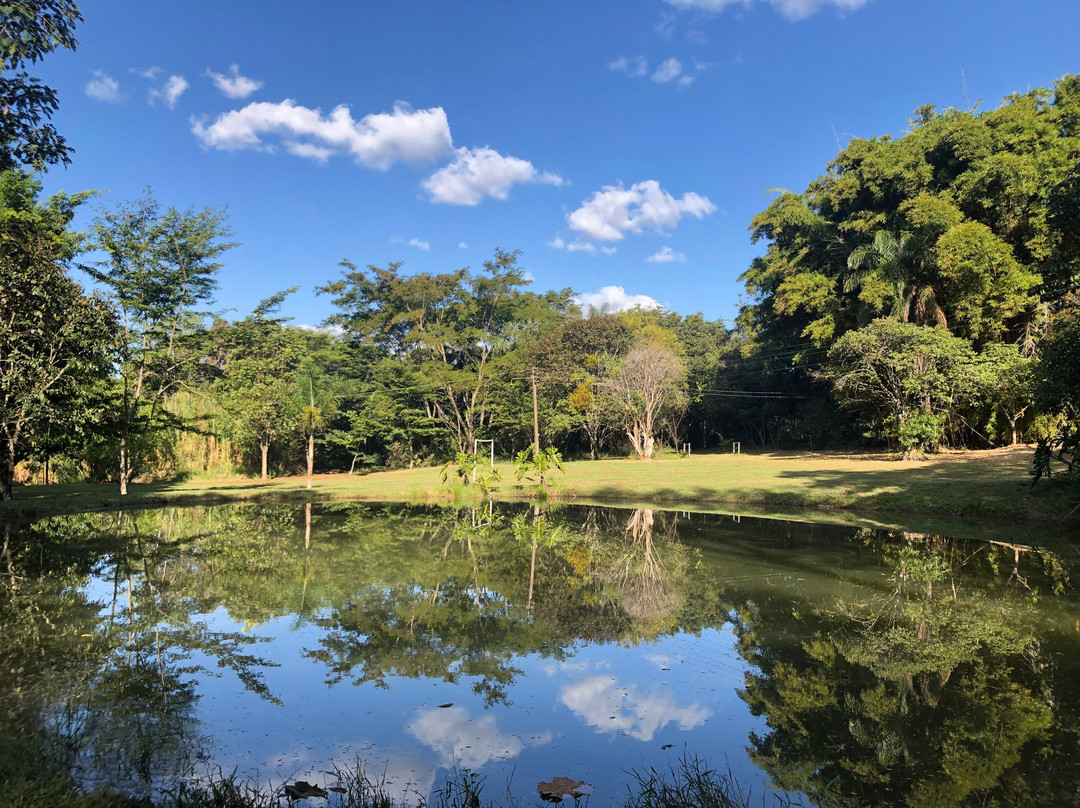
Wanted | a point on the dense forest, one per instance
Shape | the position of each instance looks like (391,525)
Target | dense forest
(923,292)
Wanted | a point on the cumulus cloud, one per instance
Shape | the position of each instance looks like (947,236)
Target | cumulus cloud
(377,141)
(602,704)
(791,9)
(478,173)
(636,66)
(146,72)
(666,255)
(170,92)
(612,212)
(669,69)
(463,245)
(614,299)
(420,244)
(235,85)
(103,87)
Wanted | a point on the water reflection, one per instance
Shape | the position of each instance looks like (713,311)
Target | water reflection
(875,668)
(605,705)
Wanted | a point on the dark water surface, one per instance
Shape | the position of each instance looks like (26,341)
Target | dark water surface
(845,666)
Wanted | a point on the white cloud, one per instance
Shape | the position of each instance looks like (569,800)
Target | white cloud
(234,86)
(791,9)
(378,140)
(146,73)
(665,256)
(466,742)
(171,91)
(420,244)
(602,704)
(614,299)
(637,66)
(477,173)
(669,69)
(103,87)
(581,246)
(309,150)
(665,26)
(463,245)
(612,212)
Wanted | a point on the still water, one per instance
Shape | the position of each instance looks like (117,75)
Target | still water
(842,666)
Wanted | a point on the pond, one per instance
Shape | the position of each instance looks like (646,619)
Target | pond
(837,665)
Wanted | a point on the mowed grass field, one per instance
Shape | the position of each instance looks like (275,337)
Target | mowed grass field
(874,488)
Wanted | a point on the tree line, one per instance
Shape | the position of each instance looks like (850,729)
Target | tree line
(923,292)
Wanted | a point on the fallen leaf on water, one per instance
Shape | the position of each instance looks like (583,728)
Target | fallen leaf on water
(302,789)
(560,787)
(667,746)
(339,789)
(444,706)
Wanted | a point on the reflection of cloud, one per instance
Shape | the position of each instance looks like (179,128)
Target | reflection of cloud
(659,660)
(466,742)
(601,703)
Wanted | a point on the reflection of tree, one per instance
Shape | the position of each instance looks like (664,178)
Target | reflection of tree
(929,693)
(647,572)
(104,689)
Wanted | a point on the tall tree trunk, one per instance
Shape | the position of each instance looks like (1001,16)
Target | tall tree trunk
(310,457)
(264,445)
(124,462)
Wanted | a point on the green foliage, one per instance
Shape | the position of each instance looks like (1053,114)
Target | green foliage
(458,330)
(159,267)
(966,221)
(29,30)
(257,358)
(473,469)
(1062,448)
(908,378)
(536,462)
(1057,374)
(54,341)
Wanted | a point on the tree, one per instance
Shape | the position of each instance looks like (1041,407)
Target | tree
(572,359)
(648,380)
(1007,377)
(53,338)
(895,266)
(158,268)
(260,358)
(458,329)
(986,282)
(1058,370)
(907,377)
(29,29)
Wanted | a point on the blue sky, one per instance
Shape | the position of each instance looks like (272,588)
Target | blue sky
(619,144)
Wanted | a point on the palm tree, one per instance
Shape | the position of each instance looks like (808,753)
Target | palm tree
(902,262)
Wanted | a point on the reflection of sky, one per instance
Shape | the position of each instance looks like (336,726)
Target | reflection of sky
(600,713)
(601,703)
(466,742)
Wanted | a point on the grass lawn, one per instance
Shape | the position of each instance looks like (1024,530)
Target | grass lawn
(869,488)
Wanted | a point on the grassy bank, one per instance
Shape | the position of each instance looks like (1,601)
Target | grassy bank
(984,485)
